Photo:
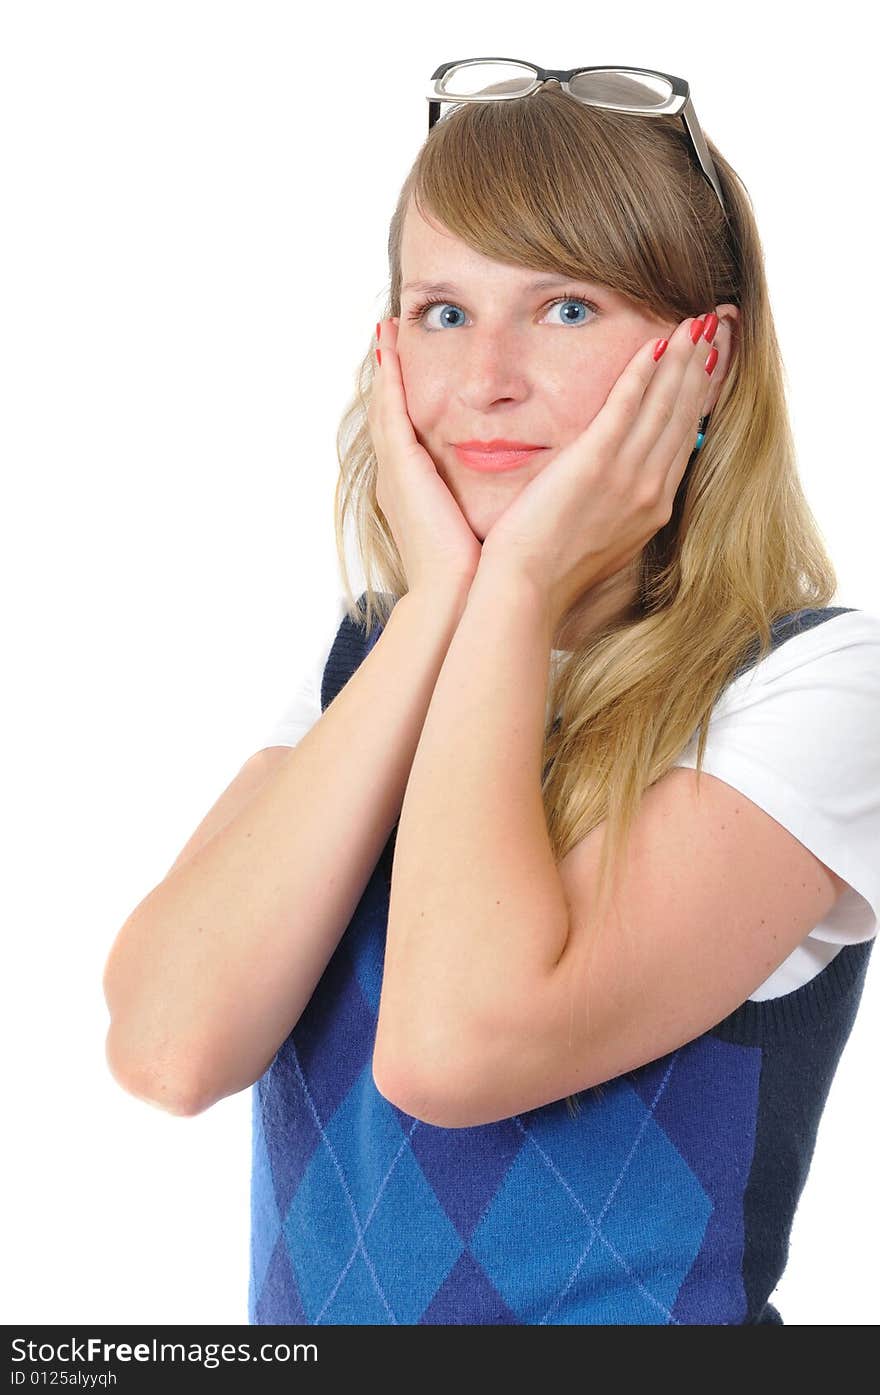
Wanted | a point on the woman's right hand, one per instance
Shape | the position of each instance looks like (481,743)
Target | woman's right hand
(436,543)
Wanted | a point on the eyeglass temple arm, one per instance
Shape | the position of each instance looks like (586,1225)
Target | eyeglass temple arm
(689,117)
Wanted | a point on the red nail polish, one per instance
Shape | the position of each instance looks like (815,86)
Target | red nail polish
(660,348)
(378,331)
(696,330)
(379,357)
(712,360)
(711,326)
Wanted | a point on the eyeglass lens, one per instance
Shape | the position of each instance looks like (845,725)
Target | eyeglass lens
(613,87)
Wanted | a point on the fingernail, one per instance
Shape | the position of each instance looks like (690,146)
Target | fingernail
(379,357)
(378,331)
(696,330)
(711,326)
(712,360)
(660,348)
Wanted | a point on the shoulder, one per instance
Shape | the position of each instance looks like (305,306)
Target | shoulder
(799,736)
(847,644)
(302,706)
(813,677)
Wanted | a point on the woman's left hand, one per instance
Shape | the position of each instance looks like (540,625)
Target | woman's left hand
(606,494)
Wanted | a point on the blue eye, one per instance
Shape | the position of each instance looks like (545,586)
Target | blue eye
(419,313)
(572,300)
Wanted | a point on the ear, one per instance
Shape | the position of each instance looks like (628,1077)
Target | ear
(726,342)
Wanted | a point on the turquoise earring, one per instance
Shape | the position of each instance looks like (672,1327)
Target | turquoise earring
(701,432)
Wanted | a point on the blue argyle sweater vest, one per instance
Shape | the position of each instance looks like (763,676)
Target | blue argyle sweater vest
(667,1200)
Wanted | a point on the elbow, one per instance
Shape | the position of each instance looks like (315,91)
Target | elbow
(149,1086)
(441,1097)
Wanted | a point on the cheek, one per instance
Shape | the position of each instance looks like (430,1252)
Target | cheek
(580,399)
(425,386)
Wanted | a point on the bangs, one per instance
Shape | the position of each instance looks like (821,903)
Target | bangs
(548,183)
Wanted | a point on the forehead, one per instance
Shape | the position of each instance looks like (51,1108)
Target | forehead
(425,241)
(432,257)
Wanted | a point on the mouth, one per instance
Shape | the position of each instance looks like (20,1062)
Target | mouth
(493,456)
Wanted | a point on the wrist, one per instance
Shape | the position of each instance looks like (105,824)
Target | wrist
(444,596)
(510,584)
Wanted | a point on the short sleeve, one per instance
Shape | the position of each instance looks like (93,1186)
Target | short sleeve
(303,708)
(799,735)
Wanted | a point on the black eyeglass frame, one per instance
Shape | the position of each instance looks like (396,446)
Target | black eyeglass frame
(678,103)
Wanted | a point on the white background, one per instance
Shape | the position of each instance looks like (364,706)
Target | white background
(196,204)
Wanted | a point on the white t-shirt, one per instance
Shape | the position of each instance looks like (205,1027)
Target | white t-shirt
(799,735)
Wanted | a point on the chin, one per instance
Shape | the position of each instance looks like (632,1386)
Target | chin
(481,520)
(483,498)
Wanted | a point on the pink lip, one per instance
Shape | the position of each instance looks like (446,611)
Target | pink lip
(494,460)
(499,443)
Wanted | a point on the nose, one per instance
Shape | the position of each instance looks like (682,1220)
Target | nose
(492,364)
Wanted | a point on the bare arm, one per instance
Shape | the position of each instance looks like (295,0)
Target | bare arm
(214,968)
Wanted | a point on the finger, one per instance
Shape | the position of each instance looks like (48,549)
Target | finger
(667,403)
(623,410)
(687,405)
(387,407)
(662,394)
(666,462)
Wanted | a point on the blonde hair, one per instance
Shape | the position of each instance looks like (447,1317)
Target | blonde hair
(548,183)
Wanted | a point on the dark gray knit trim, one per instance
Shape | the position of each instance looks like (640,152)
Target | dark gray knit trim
(835,991)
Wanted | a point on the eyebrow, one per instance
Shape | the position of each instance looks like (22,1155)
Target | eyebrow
(449,288)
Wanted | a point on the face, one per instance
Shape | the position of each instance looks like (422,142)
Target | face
(498,358)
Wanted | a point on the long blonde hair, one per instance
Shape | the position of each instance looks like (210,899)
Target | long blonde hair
(548,183)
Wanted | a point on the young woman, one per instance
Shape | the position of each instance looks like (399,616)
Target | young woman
(540,1020)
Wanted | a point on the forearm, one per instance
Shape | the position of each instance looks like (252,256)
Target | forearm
(214,968)
(478,917)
